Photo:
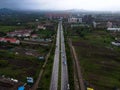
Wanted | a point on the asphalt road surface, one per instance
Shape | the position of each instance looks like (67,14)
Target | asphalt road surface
(64,69)
(54,78)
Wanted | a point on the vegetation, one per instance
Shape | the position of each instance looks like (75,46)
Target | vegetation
(20,66)
(3,63)
(45,81)
(19,61)
(98,58)
(45,33)
(9,28)
(69,61)
(70,67)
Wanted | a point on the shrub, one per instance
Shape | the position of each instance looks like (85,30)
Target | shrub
(3,63)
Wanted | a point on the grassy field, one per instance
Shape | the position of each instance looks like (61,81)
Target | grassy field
(45,81)
(45,33)
(18,66)
(99,60)
(46,78)
(8,28)
(21,65)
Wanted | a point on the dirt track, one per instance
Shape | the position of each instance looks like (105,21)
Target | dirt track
(78,69)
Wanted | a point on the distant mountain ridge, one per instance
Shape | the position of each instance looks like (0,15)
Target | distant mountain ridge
(76,10)
(6,11)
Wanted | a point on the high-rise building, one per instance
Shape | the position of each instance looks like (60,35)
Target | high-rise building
(75,20)
(94,24)
(109,24)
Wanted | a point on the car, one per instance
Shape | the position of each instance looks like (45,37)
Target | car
(64,62)
(68,87)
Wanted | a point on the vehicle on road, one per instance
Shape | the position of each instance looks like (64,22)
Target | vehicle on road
(64,62)
(68,86)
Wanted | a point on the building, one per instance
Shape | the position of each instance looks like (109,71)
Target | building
(88,19)
(114,29)
(115,43)
(94,24)
(34,36)
(57,15)
(19,33)
(99,24)
(75,20)
(41,27)
(10,40)
(109,24)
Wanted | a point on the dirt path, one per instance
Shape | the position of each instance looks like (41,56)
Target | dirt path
(78,79)
(76,83)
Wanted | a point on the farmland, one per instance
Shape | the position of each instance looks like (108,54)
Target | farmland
(23,60)
(98,58)
(9,28)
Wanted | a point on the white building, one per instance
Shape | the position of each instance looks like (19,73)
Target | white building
(75,20)
(113,29)
(94,24)
(109,24)
(41,27)
(115,43)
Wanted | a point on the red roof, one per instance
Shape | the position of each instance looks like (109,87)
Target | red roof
(11,40)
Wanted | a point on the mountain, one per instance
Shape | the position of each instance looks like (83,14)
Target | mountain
(76,10)
(6,11)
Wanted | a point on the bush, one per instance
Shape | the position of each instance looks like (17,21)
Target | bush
(3,63)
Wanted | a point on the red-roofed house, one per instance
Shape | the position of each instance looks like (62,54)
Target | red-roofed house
(20,33)
(34,35)
(11,40)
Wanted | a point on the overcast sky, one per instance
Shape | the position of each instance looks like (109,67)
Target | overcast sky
(101,5)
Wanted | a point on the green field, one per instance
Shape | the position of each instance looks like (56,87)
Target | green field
(46,78)
(100,61)
(8,28)
(18,66)
(21,65)
(100,64)
(45,33)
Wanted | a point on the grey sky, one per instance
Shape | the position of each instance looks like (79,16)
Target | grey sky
(101,5)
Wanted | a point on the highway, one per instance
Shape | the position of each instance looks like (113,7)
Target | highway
(64,69)
(54,78)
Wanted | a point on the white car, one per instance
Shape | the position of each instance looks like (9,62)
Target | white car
(68,86)
(65,62)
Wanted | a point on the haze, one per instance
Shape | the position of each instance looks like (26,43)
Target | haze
(97,5)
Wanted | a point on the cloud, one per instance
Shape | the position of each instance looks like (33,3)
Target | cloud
(61,4)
